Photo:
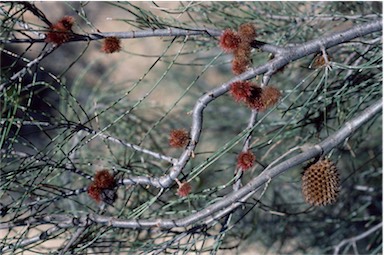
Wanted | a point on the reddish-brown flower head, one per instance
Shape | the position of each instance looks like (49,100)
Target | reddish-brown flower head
(94,192)
(60,32)
(243,52)
(111,45)
(270,96)
(65,23)
(247,32)
(229,40)
(178,138)
(241,90)
(104,180)
(246,160)
(184,189)
(254,101)
(103,187)
(240,65)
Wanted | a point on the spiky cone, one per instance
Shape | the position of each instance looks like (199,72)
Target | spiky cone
(321,183)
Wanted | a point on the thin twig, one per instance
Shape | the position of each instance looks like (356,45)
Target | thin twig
(40,237)
(73,239)
(353,240)
(232,200)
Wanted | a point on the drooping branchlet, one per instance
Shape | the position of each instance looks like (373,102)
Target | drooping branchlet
(321,183)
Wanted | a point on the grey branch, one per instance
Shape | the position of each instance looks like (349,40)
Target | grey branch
(232,200)
(43,236)
(288,55)
(353,240)
(24,70)
(284,56)
(129,35)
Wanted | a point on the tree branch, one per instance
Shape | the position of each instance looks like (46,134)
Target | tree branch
(233,200)
(353,240)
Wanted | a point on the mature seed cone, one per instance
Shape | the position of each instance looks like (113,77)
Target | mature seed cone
(321,183)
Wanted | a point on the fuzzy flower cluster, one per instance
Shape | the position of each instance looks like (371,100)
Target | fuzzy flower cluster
(61,31)
(253,95)
(102,187)
(178,138)
(246,160)
(184,189)
(111,45)
(239,43)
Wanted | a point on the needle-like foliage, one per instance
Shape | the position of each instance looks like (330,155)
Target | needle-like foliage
(143,151)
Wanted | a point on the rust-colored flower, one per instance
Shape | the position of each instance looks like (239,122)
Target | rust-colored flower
(178,138)
(104,180)
(321,183)
(247,32)
(103,187)
(241,90)
(246,160)
(254,101)
(94,192)
(269,96)
(243,52)
(240,65)
(61,32)
(184,189)
(229,40)
(111,45)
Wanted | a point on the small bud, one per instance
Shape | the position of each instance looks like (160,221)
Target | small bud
(246,160)
(184,189)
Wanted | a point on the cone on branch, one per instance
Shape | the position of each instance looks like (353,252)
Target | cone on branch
(321,183)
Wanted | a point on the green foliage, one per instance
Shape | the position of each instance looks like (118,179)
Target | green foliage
(56,119)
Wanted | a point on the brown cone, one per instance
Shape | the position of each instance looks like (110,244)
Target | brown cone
(321,183)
